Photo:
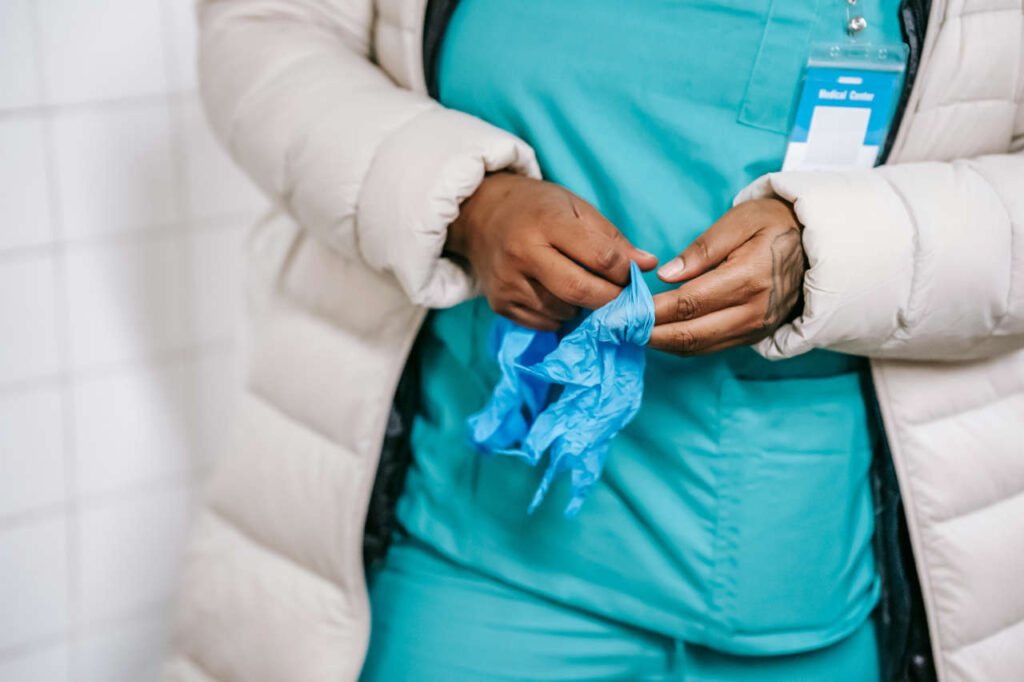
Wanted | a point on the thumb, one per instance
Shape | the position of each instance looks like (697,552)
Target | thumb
(712,247)
(645,259)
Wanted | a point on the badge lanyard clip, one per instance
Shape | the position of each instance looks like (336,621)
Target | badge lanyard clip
(855,23)
(849,90)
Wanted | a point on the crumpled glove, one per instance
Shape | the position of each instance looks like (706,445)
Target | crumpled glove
(599,367)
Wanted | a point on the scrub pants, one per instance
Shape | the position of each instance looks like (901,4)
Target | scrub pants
(435,621)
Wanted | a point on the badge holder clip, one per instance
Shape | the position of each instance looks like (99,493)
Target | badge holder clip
(849,92)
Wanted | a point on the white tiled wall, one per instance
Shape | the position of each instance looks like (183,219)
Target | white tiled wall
(121,233)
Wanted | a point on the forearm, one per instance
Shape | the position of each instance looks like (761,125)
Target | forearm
(372,169)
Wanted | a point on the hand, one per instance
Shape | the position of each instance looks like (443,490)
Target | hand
(755,287)
(539,251)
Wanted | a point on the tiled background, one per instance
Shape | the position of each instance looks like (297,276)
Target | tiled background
(121,226)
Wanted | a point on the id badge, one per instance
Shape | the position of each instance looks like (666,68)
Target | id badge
(845,107)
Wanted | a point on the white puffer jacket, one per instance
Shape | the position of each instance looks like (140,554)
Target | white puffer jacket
(919,265)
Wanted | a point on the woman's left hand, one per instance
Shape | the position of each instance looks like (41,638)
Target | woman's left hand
(755,287)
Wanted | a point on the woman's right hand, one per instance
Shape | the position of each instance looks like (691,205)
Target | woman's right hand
(539,251)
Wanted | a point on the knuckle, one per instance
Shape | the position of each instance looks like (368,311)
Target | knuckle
(499,305)
(685,341)
(577,290)
(687,307)
(756,324)
(703,249)
(760,284)
(768,322)
(608,257)
(515,251)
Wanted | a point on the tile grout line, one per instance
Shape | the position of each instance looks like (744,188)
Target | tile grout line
(44,642)
(134,236)
(46,107)
(189,352)
(177,137)
(61,305)
(129,491)
(177,132)
(177,110)
(31,516)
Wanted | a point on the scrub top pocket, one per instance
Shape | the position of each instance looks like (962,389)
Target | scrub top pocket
(770,96)
(793,546)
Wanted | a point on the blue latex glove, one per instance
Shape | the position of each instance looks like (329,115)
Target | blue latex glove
(600,366)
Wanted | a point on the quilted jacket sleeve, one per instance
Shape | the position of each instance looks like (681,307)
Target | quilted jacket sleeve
(372,169)
(920,261)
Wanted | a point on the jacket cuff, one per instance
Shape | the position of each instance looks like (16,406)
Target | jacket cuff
(413,190)
(853,288)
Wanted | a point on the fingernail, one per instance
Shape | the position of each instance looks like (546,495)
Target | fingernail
(645,254)
(671,269)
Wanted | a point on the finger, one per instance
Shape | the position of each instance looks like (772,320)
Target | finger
(734,283)
(569,282)
(602,255)
(748,340)
(599,245)
(720,329)
(537,298)
(645,259)
(531,318)
(723,237)
(606,255)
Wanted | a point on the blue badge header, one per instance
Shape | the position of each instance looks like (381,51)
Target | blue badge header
(847,87)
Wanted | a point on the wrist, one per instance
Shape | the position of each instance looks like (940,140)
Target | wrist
(455,244)
(476,210)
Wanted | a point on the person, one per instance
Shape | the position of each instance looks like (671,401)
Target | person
(732,535)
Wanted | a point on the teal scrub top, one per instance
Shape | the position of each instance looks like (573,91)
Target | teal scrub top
(735,510)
